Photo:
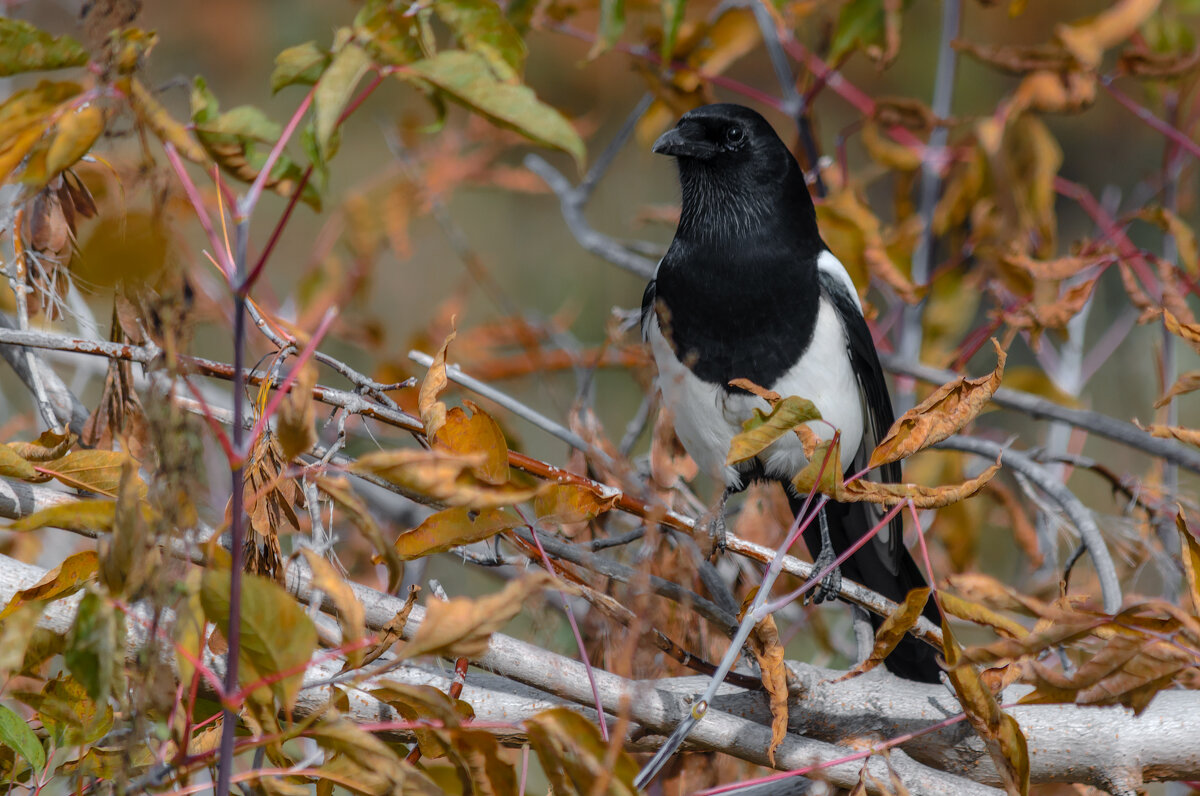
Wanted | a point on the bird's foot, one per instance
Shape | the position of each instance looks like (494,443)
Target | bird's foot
(713,524)
(831,584)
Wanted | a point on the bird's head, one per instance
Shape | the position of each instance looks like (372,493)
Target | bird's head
(733,168)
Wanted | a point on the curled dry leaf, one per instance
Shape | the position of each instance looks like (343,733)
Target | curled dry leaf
(980,615)
(575,757)
(944,412)
(768,651)
(1019,59)
(452,527)
(1000,732)
(462,626)
(1188,435)
(1188,331)
(892,631)
(1188,382)
(47,447)
(350,614)
(1060,268)
(1177,228)
(152,114)
(432,410)
(393,631)
(923,497)
(1088,40)
(1191,559)
(1150,65)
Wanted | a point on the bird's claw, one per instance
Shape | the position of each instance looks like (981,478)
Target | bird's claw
(830,585)
(715,526)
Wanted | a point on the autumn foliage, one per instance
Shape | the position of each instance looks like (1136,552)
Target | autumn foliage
(301,558)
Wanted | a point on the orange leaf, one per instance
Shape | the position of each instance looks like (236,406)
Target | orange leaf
(447,478)
(1188,331)
(567,503)
(62,581)
(980,615)
(350,613)
(1191,559)
(1188,435)
(943,413)
(453,527)
(764,643)
(475,433)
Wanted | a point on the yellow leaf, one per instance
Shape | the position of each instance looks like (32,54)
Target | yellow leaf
(980,615)
(461,626)
(151,112)
(88,516)
(1188,435)
(45,448)
(892,631)
(1188,331)
(95,470)
(295,421)
(350,614)
(76,133)
(1088,40)
(944,412)
(62,581)
(453,527)
(761,430)
(443,477)
(12,465)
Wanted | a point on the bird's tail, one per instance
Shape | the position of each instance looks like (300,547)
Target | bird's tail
(912,659)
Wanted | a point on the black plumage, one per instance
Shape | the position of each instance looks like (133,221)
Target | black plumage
(748,289)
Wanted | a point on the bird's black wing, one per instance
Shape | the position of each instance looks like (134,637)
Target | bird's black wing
(877,408)
(648,298)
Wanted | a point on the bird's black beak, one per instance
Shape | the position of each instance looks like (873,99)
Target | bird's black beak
(679,142)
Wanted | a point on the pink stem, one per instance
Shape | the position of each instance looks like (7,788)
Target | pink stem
(197,201)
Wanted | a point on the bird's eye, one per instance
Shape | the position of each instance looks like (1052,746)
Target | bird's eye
(735,135)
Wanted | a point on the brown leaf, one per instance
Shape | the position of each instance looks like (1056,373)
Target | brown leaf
(1060,268)
(476,433)
(768,651)
(862,246)
(575,757)
(1019,59)
(1000,732)
(295,421)
(1024,534)
(350,614)
(1177,228)
(462,626)
(1191,559)
(981,615)
(393,631)
(1188,435)
(944,412)
(923,497)
(452,527)
(1188,382)
(893,630)
(1150,65)
(170,131)
(1188,331)
(1054,315)
(564,504)
(432,410)
(1088,40)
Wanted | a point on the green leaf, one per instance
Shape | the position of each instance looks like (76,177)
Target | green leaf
(860,23)
(240,140)
(277,635)
(16,735)
(481,27)
(24,48)
(71,717)
(334,91)
(94,646)
(86,516)
(467,79)
(612,25)
(299,65)
(672,19)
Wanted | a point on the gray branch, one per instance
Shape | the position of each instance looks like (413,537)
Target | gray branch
(1079,514)
(1041,408)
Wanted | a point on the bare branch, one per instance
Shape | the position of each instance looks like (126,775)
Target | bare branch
(26,363)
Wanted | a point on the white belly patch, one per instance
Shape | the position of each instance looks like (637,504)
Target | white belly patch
(707,417)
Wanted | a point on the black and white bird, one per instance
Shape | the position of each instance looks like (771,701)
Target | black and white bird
(749,290)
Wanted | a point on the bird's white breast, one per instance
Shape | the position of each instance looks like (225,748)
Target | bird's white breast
(707,417)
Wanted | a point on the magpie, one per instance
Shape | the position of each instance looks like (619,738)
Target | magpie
(748,289)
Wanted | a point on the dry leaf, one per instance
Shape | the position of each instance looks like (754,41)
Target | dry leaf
(444,477)
(295,421)
(393,631)
(761,430)
(892,631)
(452,527)
(433,411)
(563,504)
(1188,331)
(944,412)
(350,614)
(768,651)
(476,433)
